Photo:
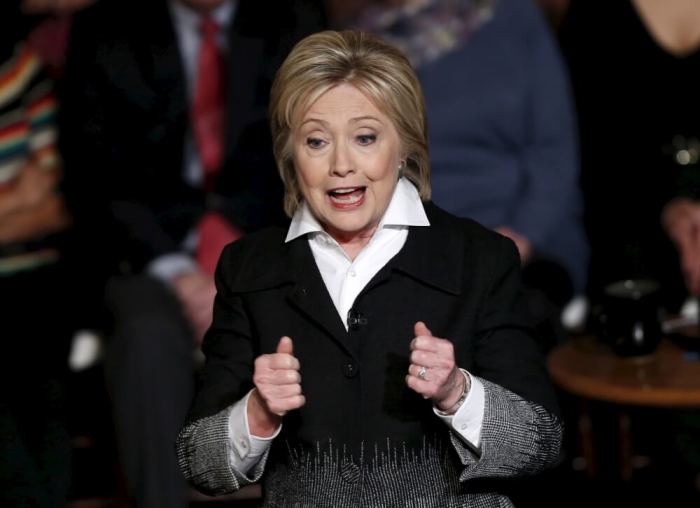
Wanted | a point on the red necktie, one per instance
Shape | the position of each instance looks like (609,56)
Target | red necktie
(208,106)
(214,233)
(208,126)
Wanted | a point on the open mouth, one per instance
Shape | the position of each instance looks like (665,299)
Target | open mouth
(347,197)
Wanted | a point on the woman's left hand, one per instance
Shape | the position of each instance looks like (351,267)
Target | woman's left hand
(433,372)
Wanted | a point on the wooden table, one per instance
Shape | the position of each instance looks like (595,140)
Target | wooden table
(589,369)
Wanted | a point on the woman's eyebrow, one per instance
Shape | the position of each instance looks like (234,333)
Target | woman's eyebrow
(311,120)
(365,117)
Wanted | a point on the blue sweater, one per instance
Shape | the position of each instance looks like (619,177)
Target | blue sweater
(502,134)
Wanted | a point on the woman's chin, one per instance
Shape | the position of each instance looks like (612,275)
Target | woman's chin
(347,231)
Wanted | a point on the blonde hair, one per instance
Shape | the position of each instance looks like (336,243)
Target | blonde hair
(326,59)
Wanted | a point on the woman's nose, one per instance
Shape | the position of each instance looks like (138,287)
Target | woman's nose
(342,162)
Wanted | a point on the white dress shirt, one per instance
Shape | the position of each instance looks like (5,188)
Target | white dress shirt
(345,278)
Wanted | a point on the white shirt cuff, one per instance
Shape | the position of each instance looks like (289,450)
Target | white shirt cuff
(469,418)
(165,268)
(247,450)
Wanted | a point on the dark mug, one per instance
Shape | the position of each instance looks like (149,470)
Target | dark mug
(630,316)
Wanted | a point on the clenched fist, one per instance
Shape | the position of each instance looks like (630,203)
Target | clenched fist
(277,389)
(433,372)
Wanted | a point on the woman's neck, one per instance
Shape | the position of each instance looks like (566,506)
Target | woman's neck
(353,243)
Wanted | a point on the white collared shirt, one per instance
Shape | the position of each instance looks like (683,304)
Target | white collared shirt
(345,279)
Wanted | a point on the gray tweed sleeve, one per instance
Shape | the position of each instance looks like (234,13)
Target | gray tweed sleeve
(204,449)
(518,437)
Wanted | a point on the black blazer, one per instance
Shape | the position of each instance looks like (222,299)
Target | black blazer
(126,115)
(455,275)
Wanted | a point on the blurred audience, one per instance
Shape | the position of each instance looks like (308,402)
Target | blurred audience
(166,130)
(49,36)
(635,67)
(46,290)
(554,11)
(502,130)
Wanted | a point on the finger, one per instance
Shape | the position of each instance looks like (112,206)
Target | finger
(415,371)
(422,358)
(285,346)
(419,386)
(420,329)
(265,365)
(277,392)
(281,361)
(282,406)
(282,377)
(425,343)
(434,361)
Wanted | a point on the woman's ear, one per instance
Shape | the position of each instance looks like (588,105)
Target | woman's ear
(402,167)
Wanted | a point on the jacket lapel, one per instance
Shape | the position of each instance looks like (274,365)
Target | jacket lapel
(434,255)
(310,296)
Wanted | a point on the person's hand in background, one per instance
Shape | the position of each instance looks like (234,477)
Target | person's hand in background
(521,242)
(196,292)
(681,221)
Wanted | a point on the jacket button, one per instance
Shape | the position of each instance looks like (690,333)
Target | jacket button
(350,369)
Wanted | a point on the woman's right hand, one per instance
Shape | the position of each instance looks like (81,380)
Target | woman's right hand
(277,389)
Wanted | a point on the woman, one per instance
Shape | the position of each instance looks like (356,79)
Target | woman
(376,353)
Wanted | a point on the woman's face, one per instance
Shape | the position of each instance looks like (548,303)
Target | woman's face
(346,155)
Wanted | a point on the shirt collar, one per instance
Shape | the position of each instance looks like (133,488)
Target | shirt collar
(186,17)
(405,209)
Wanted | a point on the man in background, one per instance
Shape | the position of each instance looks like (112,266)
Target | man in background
(167,147)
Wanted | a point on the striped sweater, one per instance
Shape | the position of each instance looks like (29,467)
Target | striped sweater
(28,133)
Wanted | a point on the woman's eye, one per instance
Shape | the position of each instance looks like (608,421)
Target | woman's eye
(314,142)
(366,139)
